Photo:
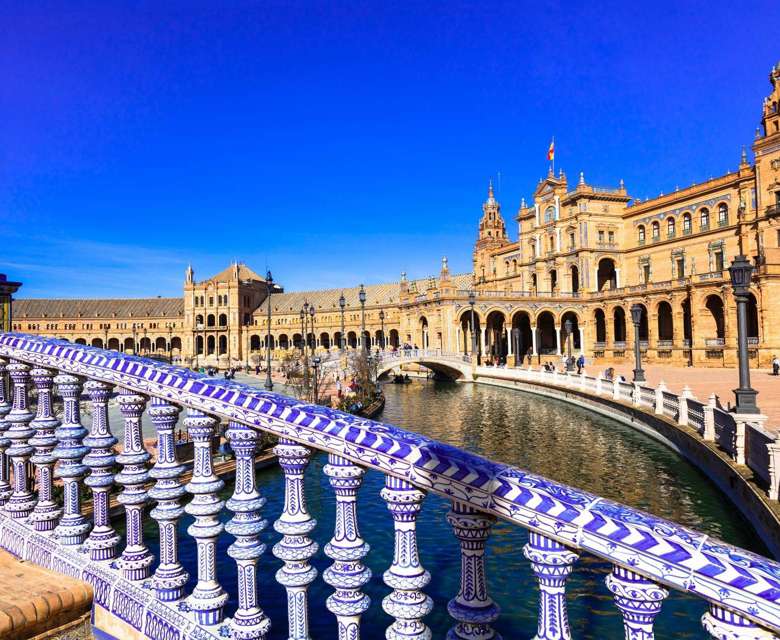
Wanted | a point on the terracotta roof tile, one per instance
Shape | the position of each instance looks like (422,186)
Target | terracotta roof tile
(107,308)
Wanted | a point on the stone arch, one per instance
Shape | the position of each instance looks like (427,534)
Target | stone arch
(600,321)
(352,339)
(466,330)
(574,274)
(113,344)
(97,342)
(223,319)
(176,344)
(223,342)
(284,341)
(325,340)
(606,274)
(394,339)
(254,342)
(575,333)
(422,333)
(553,276)
(713,317)
(129,345)
(495,335)
(665,320)
(619,324)
(146,345)
(752,317)
(521,335)
(160,344)
(547,339)
(80,341)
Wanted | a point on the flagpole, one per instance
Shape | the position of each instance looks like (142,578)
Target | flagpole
(553,158)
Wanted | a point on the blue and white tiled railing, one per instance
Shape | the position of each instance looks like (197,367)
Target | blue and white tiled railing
(649,555)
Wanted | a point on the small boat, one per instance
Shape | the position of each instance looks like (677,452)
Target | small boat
(374,408)
(401,379)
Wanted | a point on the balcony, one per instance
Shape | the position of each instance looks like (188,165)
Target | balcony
(773,210)
(688,231)
(641,242)
(665,344)
(714,342)
(670,235)
(723,222)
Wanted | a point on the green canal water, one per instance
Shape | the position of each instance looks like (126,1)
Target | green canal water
(555,439)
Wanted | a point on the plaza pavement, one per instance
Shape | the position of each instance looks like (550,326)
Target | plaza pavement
(703,381)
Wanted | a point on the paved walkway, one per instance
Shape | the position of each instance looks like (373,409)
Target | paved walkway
(703,381)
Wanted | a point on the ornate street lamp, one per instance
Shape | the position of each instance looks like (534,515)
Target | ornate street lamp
(316,362)
(567,325)
(636,318)
(313,336)
(342,304)
(7,289)
(362,298)
(269,383)
(472,302)
(741,271)
(382,329)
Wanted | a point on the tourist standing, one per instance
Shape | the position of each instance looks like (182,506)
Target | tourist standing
(775,366)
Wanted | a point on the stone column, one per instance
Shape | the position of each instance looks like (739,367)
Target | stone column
(5,408)
(295,548)
(22,500)
(208,598)
(558,340)
(473,609)
(73,526)
(46,513)
(136,559)
(533,339)
(582,340)
(406,576)
(347,575)
(551,563)
(509,349)
(638,599)
(103,540)
(249,622)
(169,577)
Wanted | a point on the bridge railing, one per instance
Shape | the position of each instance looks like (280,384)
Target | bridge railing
(648,554)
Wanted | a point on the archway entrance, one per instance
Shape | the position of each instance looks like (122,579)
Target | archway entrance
(606,275)
(576,343)
(547,341)
(575,278)
(522,337)
(467,333)
(601,326)
(665,322)
(495,337)
(619,326)
(713,319)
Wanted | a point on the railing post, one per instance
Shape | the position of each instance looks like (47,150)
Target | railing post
(682,417)
(347,575)
(136,559)
(636,394)
(599,383)
(22,500)
(616,388)
(5,408)
(723,624)
(740,427)
(208,598)
(472,608)
(551,563)
(295,548)
(73,526)
(46,512)
(169,577)
(249,621)
(709,418)
(659,398)
(406,576)
(638,599)
(103,540)
(773,452)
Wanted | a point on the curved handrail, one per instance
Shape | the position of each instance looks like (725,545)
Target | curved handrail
(661,550)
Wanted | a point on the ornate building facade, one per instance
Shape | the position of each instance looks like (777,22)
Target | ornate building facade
(583,254)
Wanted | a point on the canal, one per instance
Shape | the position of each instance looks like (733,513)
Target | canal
(555,439)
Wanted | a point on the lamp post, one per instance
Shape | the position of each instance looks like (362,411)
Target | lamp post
(144,341)
(567,325)
(304,316)
(170,344)
(7,289)
(313,335)
(740,272)
(362,298)
(636,318)
(472,302)
(269,384)
(316,362)
(342,304)
(382,329)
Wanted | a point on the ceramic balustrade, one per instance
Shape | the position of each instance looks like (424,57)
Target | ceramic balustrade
(563,523)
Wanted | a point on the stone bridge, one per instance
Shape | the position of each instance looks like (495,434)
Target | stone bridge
(453,365)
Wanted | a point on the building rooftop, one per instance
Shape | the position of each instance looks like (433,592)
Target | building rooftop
(105,308)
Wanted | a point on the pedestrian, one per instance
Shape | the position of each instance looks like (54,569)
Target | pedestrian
(775,366)
(580,364)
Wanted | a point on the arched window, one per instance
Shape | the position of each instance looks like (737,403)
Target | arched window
(656,231)
(549,214)
(723,215)
(704,219)
(670,225)
(222,320)
(686,223)
(641,234)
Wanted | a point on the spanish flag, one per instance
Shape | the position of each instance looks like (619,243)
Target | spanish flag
(551,151)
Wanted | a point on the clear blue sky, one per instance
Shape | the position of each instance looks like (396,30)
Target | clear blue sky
(342,143)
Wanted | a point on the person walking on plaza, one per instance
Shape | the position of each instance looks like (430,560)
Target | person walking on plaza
(775,366)
(580,364)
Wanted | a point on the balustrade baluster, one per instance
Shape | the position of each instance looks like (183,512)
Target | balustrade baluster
(473,608)
(22,500)
(347,575)
(406,576)
(295,548)
(249,622)
(208,598)
(551,563)
(103,540)
(136,559)
(169,577)
(47,511)
(73,526)
(638,599)
(5,408)
(723,624)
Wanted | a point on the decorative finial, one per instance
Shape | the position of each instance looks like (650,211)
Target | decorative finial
(622,184)
(522,203)
(676,188)
(744,155)
(758,133)
(403,276)
(490,189)
(582,178)
(444,266)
